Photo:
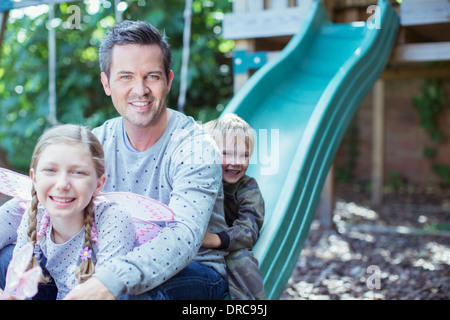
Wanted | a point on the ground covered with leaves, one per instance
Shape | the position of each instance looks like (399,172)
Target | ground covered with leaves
(397,251)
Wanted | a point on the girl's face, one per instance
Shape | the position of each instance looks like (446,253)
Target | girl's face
(65,180)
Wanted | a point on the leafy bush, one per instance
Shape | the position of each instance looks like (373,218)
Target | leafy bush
(80,96)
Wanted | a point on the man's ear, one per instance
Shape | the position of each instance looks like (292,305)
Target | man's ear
(105,83)
(169,81)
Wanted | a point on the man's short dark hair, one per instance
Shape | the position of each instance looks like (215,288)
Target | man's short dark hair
(132,32)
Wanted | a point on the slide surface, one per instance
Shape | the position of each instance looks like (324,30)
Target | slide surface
(300,105)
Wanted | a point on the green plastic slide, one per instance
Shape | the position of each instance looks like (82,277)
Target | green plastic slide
(300,105)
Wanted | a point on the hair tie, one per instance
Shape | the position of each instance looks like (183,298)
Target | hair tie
(45,221)
(43,226)
(94,235)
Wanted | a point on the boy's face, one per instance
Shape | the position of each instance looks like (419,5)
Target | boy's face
(235,159)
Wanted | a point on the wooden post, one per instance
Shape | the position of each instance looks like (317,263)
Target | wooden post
(325,207)
(117,12)
(378,142)
(3,23)
(247,45)
(185,56)
(51,66)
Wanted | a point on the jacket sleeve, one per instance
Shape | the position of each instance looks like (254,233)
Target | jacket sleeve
(245,229)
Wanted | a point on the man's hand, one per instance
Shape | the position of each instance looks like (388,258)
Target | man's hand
(92,289)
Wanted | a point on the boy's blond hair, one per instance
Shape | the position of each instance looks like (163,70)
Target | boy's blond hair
(231,126)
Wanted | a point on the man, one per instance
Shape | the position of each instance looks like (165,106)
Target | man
(161,153)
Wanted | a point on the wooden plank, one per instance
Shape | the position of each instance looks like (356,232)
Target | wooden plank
(267,23)
(255,5)
(409,72)
(369,228)
(421,52)
(416,12)
(29,3)
(240,6)
(378,142)
(279,4)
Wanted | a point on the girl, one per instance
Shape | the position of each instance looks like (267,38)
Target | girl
(69,232)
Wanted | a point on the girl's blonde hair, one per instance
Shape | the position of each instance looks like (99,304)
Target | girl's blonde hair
(231,126)
(68,134)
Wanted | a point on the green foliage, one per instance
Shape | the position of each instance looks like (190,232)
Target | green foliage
(80,96)
(443,171)
(436,228)
(395,180)
(430,103)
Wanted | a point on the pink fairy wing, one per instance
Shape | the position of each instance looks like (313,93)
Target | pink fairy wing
(28,286)
(24,204)
(143,210)
(15,184)
(145,231)
(141,207)
(22,284)
(17,266)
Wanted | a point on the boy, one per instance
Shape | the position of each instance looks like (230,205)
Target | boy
(243,206)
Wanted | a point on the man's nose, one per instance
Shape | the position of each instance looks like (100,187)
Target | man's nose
(141,88)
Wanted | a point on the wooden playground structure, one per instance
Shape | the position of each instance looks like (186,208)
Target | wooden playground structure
(262,28)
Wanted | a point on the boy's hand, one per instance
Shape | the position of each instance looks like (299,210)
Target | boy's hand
(211,241)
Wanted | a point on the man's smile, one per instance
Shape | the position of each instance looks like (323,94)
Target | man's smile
(141,105)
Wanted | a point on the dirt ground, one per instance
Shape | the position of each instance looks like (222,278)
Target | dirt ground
(398,251)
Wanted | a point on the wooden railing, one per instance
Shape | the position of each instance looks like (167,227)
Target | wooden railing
(264,18)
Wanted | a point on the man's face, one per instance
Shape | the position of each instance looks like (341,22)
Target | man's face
(138,84)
